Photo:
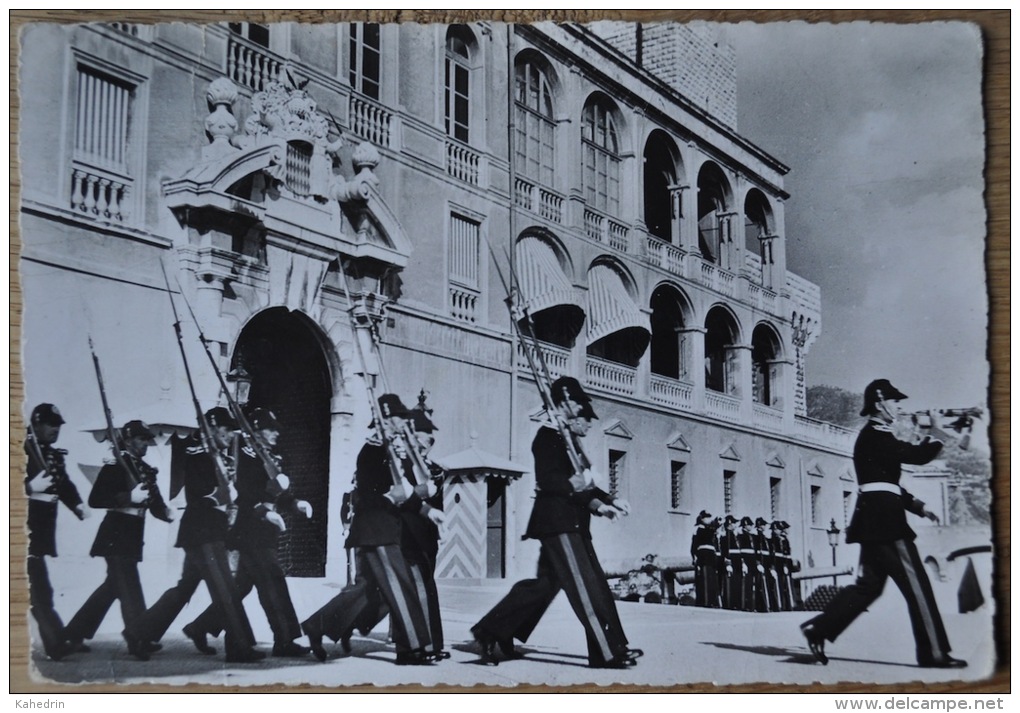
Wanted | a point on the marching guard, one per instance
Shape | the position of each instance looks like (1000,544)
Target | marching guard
(46,484)
(262,500)
(565,500)
(202,534)
(376,533)
(879,524)
(127,490)
(764,574)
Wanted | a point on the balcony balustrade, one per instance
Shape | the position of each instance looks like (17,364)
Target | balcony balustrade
(100,195)
(610,376)
(670,392)
(370,120)
(462,162)
(251,65)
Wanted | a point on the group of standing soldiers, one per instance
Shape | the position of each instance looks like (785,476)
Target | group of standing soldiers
(743,567)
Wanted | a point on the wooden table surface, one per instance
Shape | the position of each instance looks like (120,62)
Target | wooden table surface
(995,26)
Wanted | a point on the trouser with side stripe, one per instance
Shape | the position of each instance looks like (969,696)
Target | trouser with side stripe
(382,573)
(206,562)
(880,561)
(568,562)
(258,568)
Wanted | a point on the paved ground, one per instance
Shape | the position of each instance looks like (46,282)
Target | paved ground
(682,645)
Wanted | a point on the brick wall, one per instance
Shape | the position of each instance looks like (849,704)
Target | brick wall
(692,58)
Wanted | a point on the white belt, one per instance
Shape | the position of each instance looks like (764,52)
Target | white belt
(706,547)
(43,497)
(881,488)
(136,512)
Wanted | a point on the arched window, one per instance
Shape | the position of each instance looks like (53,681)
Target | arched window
(667,348)
(458,83)
(534,154)
(720,357)
(600,144)
(364,72)
(765,352)
(712,193)
(660,176)
(756,220)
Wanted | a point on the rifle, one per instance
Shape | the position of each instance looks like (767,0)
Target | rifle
(247,431)
(386,429)
(223,476)
(540,370)
(137,470)
(54,466)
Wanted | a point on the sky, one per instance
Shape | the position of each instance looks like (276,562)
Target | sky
(882,128)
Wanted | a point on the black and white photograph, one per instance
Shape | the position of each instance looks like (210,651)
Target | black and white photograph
(447,354)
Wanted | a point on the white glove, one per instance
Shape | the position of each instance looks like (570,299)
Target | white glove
(608,511)
(82,512)
(729,569)
(139,494)
(274,518)
(232,492)
(40,483)
(589,475)
(283,481)
(761,569)
(305,508)
(622,505)
(396,495)
(743,569)
(436,515)
(425,490)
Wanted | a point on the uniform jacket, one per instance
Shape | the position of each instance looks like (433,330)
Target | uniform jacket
(558,508)
(42,509)
(703,546)
(257,494)
(729,548)
(205,518)
(419,533)
(745,550)
(121,534)
(781,553)
(880,516)
(763,549)
(377,521)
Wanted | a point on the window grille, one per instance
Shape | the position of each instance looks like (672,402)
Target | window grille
(677,485)
(616,460)
(729,478)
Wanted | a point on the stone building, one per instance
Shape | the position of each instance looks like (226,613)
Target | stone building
(285,173)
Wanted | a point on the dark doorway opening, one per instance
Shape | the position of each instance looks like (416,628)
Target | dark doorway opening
(290,376)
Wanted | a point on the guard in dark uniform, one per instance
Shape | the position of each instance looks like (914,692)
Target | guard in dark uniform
(419,539)
(879,524)
(383,573)
(126,495)
(202,534)
(783,565)
(46,484)
(262,500)
(748,563)
(730,576)
(705,556)
(564,503)
(764,578)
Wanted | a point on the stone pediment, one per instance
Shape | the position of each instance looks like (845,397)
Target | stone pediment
(730,453)
(618,429)
(775,461)
(677,442)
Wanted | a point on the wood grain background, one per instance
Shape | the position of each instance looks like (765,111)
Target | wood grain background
(995,26)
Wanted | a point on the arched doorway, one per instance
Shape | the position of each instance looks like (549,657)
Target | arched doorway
(284,355)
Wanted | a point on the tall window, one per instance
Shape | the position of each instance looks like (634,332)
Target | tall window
(364,52)
(600,146)
(533,149)
(462,266)
(774,486)
(101,125)
(846,507)
(816,498)
(616,460)
(464,238)
(458,86)
(677,485)
(729,478)
(101,183)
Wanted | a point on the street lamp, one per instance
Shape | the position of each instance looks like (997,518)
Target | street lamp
(241,380)
(833,535)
